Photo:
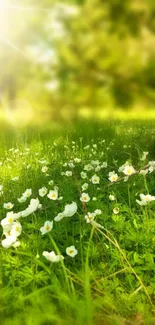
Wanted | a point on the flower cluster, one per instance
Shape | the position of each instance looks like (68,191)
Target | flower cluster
(12,228)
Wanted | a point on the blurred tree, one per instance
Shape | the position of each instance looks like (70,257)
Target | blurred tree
(81,53)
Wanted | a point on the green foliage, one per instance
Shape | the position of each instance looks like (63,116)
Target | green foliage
(103,55)
(111,279)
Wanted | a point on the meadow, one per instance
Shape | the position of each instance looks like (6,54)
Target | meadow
(77,224)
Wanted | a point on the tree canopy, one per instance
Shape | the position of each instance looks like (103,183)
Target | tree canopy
(73,54)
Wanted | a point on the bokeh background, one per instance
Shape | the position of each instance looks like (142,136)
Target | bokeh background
(65,60)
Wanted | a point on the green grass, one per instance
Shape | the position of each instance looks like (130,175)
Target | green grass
(111,280)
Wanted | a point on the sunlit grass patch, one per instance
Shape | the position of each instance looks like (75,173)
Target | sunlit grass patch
(80,244)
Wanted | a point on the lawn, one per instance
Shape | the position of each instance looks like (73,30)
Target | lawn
(77,224)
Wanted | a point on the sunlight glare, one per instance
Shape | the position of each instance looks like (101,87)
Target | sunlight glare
(3,16)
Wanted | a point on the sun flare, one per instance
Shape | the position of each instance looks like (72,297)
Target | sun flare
(4,19)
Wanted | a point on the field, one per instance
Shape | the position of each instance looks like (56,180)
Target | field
(86,193)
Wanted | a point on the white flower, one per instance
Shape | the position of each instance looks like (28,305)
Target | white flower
(104,164)
(8,241)
(59,217)
(95,179)
(95,162)
(43,161)
(48,226)
(27,193)
(98,212)
(68,173)
(60,198)
(51,182)
(128,170)
(121,168)
(90,217)
(143,172)
(116,210)
(70,209)
(86,147)
(71,251)
(44,169)
(88,167)
(53,194)
(71,165)
(16,229)
(22,199)
(98,168)
(84,186)
(8,220)
(52,257)
(113,177)
(77,160)
(33,206)
(8,205)
(83,175)
(151,169)
(85,197)
(43,191)
(112,197)
(15,179)
(145,199)
(16,244)
(152,163)
(145,153)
